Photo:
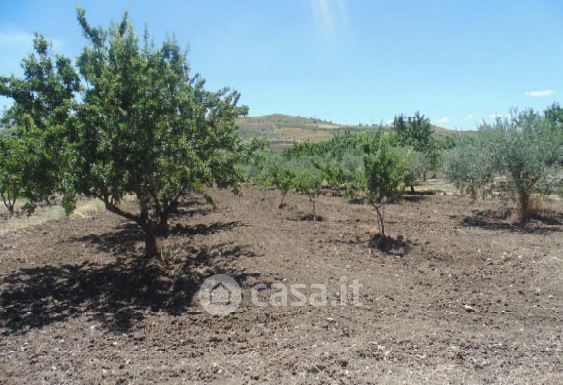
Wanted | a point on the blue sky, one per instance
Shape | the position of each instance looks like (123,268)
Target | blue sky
(348,61)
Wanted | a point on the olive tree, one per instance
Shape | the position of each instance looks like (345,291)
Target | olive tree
(522,151)
(147,127)
(469,167)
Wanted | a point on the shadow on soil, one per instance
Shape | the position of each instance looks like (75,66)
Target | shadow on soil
(389,245)
(547,221)
(117,294)
(127,235)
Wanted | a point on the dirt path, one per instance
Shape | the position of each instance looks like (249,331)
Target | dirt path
(475,299)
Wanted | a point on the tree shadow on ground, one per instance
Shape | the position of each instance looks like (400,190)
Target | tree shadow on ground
(203,229)
(546,221)
(397,246)
(416,197)
(117,294)
(127,235)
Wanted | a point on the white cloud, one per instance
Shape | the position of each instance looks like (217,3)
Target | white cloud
(329,13)
(499,116)
(18,38)
(443,121)
(23,40)
(469,117)
(540,93)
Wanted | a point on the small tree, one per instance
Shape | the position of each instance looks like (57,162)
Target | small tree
(282,178)
(308,182)
(385,174)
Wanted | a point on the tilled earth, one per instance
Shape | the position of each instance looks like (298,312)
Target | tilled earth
(469,298)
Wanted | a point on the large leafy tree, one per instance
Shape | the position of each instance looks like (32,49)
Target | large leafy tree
(44,99)
(147,127)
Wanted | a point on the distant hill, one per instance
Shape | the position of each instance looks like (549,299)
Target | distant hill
(284,130)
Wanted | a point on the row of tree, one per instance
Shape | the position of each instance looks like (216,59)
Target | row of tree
(516,157)
(372,164)
(126,117)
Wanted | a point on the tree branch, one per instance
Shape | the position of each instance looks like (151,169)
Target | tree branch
(116,210)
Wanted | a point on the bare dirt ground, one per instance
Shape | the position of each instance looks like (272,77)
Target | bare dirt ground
(475,300)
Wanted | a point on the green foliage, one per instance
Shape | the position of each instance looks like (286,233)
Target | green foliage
(282,178)
(335,147)
(522,151)
(554,114)
(12,170)
(344,171)
(416,132)
(386,170)
(468,167)
(416,168)
(43,103)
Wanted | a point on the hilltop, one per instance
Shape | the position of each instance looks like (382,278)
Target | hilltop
(286,129)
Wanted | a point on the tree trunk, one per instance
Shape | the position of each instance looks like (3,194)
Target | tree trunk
(152,231)
(162,226)
(314,211)
(412,188)
(151,247)
(10,209)
(523,208)
(380,222)
(9,203)
(282,198)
